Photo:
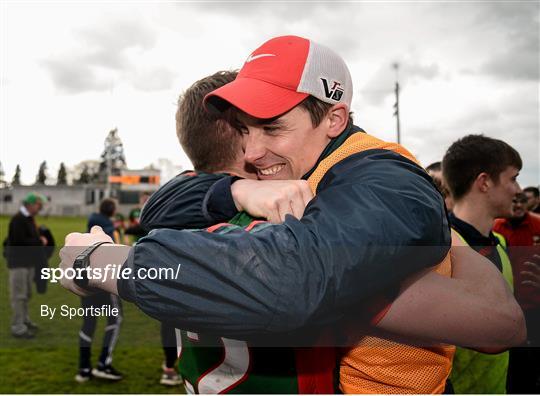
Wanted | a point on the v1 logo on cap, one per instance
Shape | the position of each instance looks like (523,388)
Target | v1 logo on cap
(297,69)
(334,93)
(253,57)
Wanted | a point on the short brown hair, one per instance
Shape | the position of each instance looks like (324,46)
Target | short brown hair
(107,207)
(317,109)
(434,167)
(533,190)
(471,155)
(208,140)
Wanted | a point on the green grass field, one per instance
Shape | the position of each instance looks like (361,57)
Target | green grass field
(48,363)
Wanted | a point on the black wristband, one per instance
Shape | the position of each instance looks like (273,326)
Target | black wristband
(83,261)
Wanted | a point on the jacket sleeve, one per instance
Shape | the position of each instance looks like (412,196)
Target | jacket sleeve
(375,220)
(189,200)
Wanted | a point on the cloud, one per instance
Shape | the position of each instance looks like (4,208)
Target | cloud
(120,35)
(522,134)
(154,79)
(291,11)
(514,16)
(74,78)
(106,55)
(109,46)
(519,54)
(520,62)
(513,119)
(292,17)
(383,81)
(423,71)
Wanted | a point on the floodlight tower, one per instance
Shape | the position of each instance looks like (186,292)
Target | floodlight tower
(113,159)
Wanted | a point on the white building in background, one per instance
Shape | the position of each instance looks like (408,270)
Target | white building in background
(109,176)
(83,199)
(63,200)
(168,169)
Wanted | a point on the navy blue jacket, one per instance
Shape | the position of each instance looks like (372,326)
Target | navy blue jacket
(375,220)
(103,221)
(22,246)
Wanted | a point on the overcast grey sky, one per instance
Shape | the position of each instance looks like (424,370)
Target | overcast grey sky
(70,72)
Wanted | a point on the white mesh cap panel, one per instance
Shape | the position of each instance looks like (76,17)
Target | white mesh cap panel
(326,76)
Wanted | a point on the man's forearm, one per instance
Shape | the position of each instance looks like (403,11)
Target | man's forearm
(184,203)
(434,307)
(238,285)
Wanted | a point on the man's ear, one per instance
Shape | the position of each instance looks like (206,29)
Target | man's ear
(483,182)
(337,118)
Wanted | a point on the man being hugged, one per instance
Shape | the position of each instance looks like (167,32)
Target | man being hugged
(376,218)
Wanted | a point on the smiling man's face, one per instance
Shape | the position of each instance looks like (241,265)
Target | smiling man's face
(283,148)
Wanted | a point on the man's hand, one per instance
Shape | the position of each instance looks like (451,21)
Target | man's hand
(272,199)
(96,234)
(75,243)
(531,277)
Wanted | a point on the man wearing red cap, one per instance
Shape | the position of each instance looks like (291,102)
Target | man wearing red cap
(283,369)
(376,218)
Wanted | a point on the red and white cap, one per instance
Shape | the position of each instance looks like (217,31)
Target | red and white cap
(280,74)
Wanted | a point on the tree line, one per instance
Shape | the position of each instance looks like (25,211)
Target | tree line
(111,162)
(85,176)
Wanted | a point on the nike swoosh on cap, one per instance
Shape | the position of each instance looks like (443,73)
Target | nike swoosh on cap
(253,57)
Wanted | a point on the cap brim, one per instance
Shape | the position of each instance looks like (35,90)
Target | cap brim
(256,98)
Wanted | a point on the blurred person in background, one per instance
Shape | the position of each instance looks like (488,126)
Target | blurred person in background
(533,199)
(104,369)
(23,249)
(134,228)
(45,232)
(435,171)
(169,375)
(119,233)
